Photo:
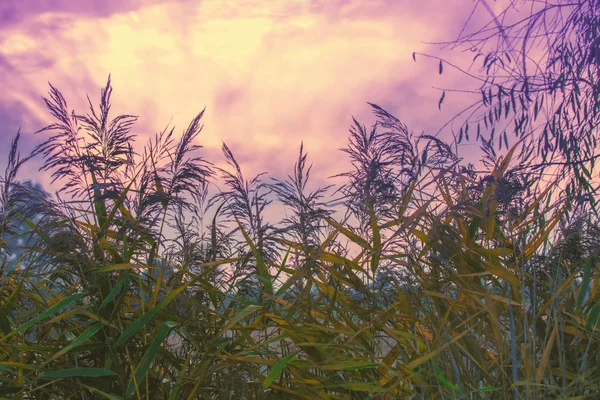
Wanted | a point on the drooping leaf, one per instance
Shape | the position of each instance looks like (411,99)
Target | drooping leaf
(441,100)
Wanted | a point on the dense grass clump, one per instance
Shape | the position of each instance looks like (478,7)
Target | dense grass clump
(432,280)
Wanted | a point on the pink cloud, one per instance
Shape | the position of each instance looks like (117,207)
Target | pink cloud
(271,74)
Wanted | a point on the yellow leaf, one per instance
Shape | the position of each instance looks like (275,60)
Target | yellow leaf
(539,373)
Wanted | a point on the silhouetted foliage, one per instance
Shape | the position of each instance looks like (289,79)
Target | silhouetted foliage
(440,280)
(537,79)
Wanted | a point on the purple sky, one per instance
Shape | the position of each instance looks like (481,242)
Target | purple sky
(271,73)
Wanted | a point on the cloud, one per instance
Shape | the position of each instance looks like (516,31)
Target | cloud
(271,73)
(17,11)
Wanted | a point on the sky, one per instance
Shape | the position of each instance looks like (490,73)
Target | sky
(270,73)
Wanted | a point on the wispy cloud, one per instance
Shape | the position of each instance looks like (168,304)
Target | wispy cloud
(271,73)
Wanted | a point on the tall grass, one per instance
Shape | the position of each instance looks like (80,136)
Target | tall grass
(438,281)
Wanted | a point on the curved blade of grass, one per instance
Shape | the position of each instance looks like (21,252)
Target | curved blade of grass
(277,369)
(216,263)
(142,367)
(241,315)
(175,391)
(115,291)
(58,306)
(99,204)
(593,316)
(585,282)
(88,333)
(289,282)
(261,268)
(13,296)
(337,259)
(7,369)
(109,396)
(117,206)
(539,373)
(283,262)
(147,316)
(449,385)
(348,233)
(376,255)
(350,365)
(551,300)
(423,359)
(5,327)
(122,266)
(16,365)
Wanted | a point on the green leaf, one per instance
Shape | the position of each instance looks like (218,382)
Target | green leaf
(7,369)
(4,322)
(88,333)
(489,389)
(585,282)
(261,268)
(109,396)
(176,389)
(13,296)
(289,282)
(351,365)
(99,204)
(58,306)
(122,266)
(282,266)
(348,233)
(142,367)
(449,385)
(73,372)
(376,255)
(115,291)
(147,316)
(277,369)
(241,315)
(593,316)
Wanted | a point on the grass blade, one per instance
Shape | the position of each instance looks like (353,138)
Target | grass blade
(144,364)
(58,306)
(277,369)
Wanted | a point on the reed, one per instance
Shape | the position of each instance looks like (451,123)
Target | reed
(439,282)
